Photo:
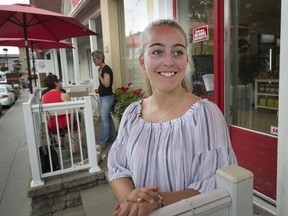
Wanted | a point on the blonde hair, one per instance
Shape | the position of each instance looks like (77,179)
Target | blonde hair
(143,44)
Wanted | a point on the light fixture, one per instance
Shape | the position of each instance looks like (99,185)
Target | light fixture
(5,51)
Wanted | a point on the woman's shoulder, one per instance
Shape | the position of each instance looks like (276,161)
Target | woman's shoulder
(206,104)
(134,107)
(107,68)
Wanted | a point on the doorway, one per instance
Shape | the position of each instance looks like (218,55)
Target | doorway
(252,71)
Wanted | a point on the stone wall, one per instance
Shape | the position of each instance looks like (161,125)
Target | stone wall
(62,192)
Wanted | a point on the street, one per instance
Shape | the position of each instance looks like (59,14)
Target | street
(15,171)
(4,111)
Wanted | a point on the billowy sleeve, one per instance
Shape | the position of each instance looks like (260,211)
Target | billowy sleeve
(213,148)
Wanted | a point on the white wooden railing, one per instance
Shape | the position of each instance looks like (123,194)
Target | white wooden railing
(35,115)
(232,197)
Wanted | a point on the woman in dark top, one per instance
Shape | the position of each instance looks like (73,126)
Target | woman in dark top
(105,75)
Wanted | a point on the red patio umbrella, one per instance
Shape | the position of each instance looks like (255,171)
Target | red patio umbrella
(27,21)
(34,44)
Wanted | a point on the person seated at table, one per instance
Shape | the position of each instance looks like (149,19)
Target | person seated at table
(47,89)
(56,95)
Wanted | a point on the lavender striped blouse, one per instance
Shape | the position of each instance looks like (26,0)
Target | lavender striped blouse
(175,155)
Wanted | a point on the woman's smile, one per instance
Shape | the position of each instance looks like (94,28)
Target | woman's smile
(167,74)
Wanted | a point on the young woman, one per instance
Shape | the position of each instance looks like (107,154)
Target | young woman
(170,144)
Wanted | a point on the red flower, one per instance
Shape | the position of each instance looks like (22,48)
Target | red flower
(137,92)
(124,89)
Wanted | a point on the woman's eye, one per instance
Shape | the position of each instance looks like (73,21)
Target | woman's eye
(177,53)
(157,52)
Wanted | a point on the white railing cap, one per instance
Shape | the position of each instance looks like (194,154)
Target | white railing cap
(234,173)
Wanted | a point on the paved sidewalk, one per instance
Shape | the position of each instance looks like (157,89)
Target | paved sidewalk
(15,171)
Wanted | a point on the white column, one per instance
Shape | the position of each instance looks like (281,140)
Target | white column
(55,62)
(282,167)
(93,45)
(239,184)
(163,9)
(64,67)
(32,144)
(77,75)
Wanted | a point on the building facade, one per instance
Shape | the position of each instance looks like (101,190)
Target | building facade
(234,54)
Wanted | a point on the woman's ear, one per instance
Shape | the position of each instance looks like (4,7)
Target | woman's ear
(141,62)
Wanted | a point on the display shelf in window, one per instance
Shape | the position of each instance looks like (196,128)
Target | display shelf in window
(266,93)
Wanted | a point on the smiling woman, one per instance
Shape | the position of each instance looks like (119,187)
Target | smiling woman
(169,124)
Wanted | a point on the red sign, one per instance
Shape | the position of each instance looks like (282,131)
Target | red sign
(274,130)
(200,34)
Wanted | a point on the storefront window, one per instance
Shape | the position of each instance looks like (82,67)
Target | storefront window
(135,20)
(254,74)
(196,17)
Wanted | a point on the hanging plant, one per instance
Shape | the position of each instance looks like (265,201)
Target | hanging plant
(124,96)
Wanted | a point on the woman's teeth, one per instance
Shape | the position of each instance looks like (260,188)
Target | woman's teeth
(167,74)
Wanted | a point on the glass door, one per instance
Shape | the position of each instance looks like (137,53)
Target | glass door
(197,19)
(252,68)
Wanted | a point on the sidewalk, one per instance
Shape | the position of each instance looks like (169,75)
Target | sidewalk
(15,171)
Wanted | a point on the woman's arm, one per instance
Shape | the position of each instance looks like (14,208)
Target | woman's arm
(139,207)
(124,191)
(172,197)
(65,97)
(105,80)
(121,188)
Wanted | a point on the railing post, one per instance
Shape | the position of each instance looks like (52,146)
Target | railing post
(90,135)
(239,184)
(32,146)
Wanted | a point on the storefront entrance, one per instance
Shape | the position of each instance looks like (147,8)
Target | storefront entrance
(246,86)
(234,61)
(252,68)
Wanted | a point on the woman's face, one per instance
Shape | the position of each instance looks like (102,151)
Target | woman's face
(96,61)
(165,58)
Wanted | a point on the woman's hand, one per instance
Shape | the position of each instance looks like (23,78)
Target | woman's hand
(148,194)
(139,202)
(135,209)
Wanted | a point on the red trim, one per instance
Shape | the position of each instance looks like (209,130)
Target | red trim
(174,9)
(219,53)
(257,153)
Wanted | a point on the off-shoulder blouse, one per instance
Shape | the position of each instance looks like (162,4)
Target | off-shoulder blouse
(175,155)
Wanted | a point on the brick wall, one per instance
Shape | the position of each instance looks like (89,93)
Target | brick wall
(62,192)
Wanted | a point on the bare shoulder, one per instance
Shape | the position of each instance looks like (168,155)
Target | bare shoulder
(65,97)
(191,99)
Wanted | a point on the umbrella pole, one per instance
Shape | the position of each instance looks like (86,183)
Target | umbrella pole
(27,54)
(33,62)
(28,66)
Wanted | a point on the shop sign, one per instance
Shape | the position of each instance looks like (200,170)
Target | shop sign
(43,65)
(274,130)
(200,34)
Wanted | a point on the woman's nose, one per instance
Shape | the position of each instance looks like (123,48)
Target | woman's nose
(168,59)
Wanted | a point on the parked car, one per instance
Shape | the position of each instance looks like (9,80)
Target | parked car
(13,89)
(7,97)
(0,109)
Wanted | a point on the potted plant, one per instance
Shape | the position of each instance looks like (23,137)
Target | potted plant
(124,96)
